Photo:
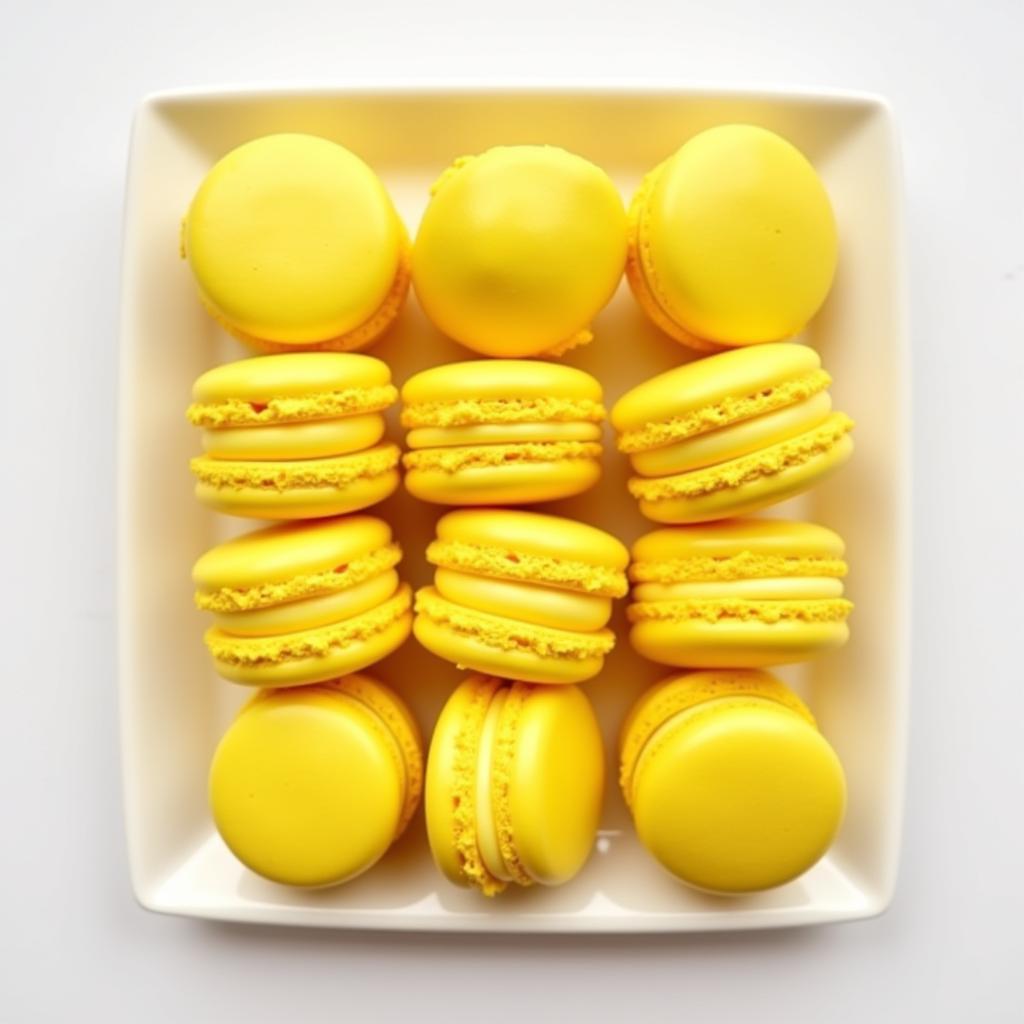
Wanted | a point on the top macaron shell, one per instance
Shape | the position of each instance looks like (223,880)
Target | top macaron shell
(501,432)
(294,242)
(732,240)
(519,248)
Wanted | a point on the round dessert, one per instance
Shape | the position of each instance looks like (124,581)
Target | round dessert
(732,241)
(730,434)
(738,593)
(518,250)
(294,436)
(302,602)
(515,779)
(521,595)
(501,432)
(731,786)
(295,244)
(311,786)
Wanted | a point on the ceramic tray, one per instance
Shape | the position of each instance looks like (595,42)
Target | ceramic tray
(174,708)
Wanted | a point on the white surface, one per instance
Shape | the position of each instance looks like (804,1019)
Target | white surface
(73,943)
(175,709)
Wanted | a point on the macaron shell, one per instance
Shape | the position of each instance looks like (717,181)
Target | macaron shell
(734,643)
(707,383)
(518,249)
(522,475)
(293,239)
(277,554)
(469,651)
(751,496)
(737,795)
(738,238)
(555,781)
(307,791)
(312,440)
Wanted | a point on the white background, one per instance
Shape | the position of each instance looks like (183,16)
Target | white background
(73,945)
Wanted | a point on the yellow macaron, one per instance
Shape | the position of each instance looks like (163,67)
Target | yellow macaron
(501,432)
(738,593)
(294,243)
(732,241)
(294,436)
(731,786)
(731,433)
(302,602)
(518,250)
(521,595)
(311,786)
(515,779)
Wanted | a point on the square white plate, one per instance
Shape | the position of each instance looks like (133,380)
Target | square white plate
(174,708)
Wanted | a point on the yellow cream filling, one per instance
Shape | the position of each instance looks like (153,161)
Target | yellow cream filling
(741,566)
(465,758)
(765,588)
(486,827)
(502,563)
(313,643)
(505,410)
(722,414)
(283,476)
(714,610)
(510,635)
(237,412)
(505,746)
(266,595)
(452,460)
(736,472)
(502,433)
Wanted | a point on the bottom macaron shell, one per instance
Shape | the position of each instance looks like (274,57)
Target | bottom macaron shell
(470,653)
(698,643)
(759,493)
(511,483)
(299,502)
(337,660)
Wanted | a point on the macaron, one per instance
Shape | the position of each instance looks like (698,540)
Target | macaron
(501,432)
(311,786)
(295,244)
(738,593)
(521,595)
(732,240)
(730,434)
(731,786)
(303,602)
(515,779)
(518,250)
(294,436)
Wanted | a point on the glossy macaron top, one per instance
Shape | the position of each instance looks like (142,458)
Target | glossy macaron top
(293,560)
(731,785)
(310,786)
(514,786)
(294,241)
(733,239)
(518,249)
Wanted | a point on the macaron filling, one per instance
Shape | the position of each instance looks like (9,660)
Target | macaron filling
(242,412)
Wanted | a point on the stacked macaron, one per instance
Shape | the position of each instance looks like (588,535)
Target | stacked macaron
(730,247)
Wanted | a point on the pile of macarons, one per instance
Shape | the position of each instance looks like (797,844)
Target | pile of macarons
(730,247)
